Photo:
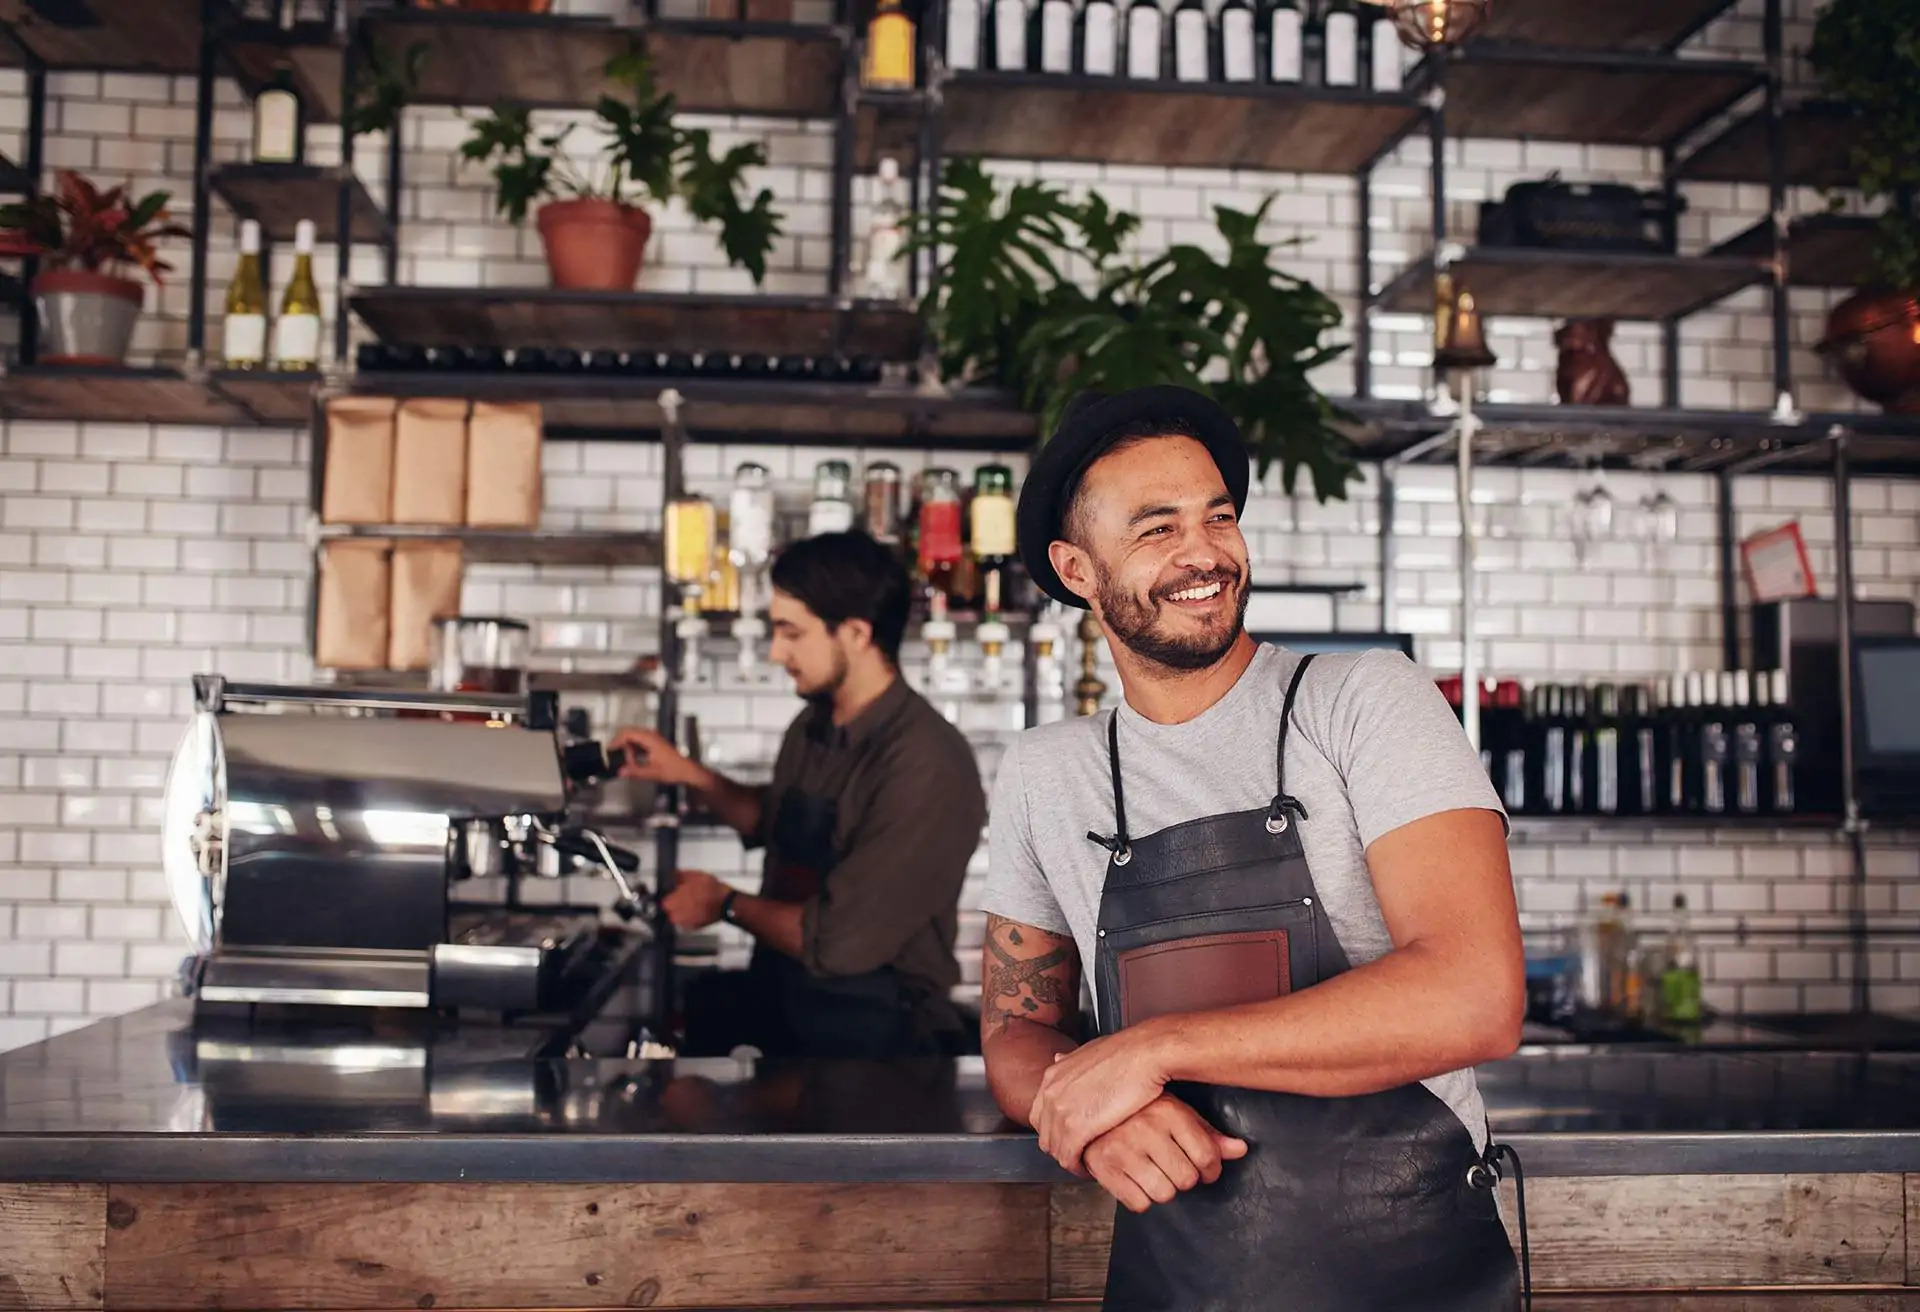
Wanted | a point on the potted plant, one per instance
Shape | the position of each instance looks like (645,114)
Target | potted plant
(1867,53)
(1236,327)
(89,238)
(592,228)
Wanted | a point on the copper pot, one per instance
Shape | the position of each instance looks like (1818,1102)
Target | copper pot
(593,245)
(1873,338)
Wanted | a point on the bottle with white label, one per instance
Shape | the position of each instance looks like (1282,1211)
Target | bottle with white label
(1145,40)
(1098,38)
(1389,57)
(1192,42)
(963,35)
(244,329)
(1007,36)
(885,276)
(279,120)
(1340,34)
(1238,49)
(296,333)
(1286,43)
(1050,41)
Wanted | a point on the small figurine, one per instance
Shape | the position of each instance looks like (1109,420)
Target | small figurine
(1588,374)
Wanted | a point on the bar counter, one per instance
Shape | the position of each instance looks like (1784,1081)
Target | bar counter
(150,1166)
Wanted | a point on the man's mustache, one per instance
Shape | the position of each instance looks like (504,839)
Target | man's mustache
(1228,579)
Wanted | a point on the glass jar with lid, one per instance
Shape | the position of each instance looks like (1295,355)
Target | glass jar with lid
(750,512)
(832,508)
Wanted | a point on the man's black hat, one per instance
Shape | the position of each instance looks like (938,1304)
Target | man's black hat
(1091,425)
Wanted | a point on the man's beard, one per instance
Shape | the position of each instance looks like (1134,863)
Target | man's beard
(824,691)
(1136,622)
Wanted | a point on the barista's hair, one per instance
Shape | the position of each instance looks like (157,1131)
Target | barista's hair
(1073,526)
(848,576)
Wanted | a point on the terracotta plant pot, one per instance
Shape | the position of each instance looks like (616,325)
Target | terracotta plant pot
(1873,338)
(86,318)
(593,245)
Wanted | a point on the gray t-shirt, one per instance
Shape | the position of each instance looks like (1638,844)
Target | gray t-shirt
(1374,746)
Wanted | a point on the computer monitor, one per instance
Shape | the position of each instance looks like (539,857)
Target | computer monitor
(1886,696)
(1316,644)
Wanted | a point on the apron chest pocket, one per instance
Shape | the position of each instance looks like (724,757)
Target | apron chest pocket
(1207,961)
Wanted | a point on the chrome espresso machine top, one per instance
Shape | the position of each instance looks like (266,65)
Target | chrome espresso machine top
(361,848)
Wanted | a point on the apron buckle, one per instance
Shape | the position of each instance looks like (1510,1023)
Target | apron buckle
(1276,822)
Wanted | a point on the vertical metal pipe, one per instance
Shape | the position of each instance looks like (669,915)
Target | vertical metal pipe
(1437,181)
(1777,202)
(1670,328)
(666,840)
(840,239)
(202,188)
(1849,730)
(1469,550)
(1729,577)
(396,154)
(33,165)
(1363,330)
(1389,568)
(343,211)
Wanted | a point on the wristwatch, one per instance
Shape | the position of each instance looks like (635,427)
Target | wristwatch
(726,906)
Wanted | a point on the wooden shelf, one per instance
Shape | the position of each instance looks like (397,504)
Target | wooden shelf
(1615,25)
(588,547)
(1823,250)
(1041,116)
(157,395)
(129,36)
(1551,284)
(817,414)
(268,397)
(1602,97)
(811,326)
(1819,137)
(280,195)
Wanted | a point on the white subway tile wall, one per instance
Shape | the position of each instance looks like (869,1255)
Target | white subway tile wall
(132,557)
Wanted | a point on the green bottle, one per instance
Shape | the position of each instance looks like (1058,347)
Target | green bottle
(1680,981)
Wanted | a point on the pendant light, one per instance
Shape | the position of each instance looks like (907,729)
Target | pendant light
(1436,24)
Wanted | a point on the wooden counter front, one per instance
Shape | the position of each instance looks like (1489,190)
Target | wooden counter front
(1747,1243)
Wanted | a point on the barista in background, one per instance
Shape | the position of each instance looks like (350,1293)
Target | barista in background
(873,812)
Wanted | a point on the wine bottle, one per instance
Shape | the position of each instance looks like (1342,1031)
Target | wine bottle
(1007,36)
(279,120)
(1286,43)
(1192,42)
(1387,56)
(1715,748)
(1639,755)
(1680,980)
(1510,753)
(889,56)
(885,275)
(296,333)
(1605,730)
(1748,751)
(1553,771)
(1236,42)
(1580,793)
(1099,38)
(244,330)
(1340,37)
(1145,38)
(1783,748)
(1050,42)
(963,35)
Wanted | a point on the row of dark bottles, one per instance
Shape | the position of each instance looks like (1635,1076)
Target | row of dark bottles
(1708,744)
(377,357)
(1331,43)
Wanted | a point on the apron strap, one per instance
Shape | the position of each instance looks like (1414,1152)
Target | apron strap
(1284,801)
(1118,845)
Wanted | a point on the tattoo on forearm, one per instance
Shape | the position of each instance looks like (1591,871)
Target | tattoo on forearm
(1030,975)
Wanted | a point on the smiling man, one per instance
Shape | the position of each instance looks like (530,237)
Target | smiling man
(1287,880)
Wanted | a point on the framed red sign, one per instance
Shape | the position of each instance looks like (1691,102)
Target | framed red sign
(1777,565)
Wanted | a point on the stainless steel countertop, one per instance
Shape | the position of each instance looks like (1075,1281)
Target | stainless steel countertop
(145,1098)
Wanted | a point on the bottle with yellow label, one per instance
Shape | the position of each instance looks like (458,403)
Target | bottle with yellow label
(888,65)
(991,521)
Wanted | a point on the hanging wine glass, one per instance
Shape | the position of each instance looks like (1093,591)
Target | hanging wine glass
(1659,525)
(1592,517)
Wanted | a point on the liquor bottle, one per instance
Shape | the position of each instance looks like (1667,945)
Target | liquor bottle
(885,275)
(1691,719)
(1680,980)
(1007,36)
(750,519)
(1237,42)
(1748,750)
(1580,798)
(831,510)
(888,65)
(1553,750)
(244,333)
(1510,750)
(1098,38)
(279,120)
(963,35)
(1050,42)
(723,580)
(1667,792)
(1606,735)
(940,546)
(880,516)
(1145,37)
(1192,42)
(296,333)
(1387,57)
(1639,755)
(991,519)
(1782,748)
(1716,748)
(1286,43)
(1340,48)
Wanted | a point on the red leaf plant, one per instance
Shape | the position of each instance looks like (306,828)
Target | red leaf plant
(80,226)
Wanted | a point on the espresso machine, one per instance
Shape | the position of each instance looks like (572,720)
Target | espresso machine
(331,847)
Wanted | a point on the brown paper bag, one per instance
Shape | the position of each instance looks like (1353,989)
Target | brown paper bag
(357,482)
(350,628)
(426,586)
(503,466)
(430,462)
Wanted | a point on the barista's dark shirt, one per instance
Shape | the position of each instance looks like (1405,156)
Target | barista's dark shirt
(909,812)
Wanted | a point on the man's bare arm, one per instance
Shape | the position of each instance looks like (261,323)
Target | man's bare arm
(1029,1008)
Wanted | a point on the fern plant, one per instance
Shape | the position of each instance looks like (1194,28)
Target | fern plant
(1867,52)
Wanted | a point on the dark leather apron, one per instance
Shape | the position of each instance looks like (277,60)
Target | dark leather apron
(794,1013)
(1364,1204)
